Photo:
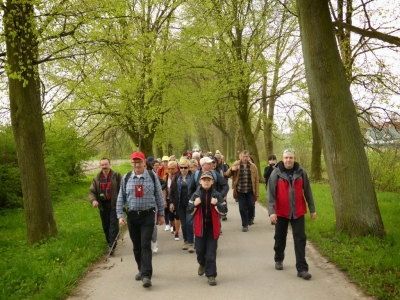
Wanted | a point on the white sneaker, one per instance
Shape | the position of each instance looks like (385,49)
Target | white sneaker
(154,247)
(172,229)
(167,227)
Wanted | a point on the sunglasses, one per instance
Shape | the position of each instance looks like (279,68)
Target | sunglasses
(183,168)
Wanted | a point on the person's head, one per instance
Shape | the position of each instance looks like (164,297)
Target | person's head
(184,165)
(222,158)
(272,159)
(165,160)
(196,156)
(217,152)
(105,165)
(150,159)
(206,164)
(155,164)
(193,165)
(214,163)
(172,168)
(288,158)
(138,161)
(206,180)
(218,158)
(244,156)
(172,158)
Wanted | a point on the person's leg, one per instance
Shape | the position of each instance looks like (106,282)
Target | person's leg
(182,218)
(105,220)
(190,229)
(146,222)
(211,254)
(155,231)
(166,217)
(177,224)
(281,229)
(201,250)
(300,238)
(114,228)
(134,234)
(243,209)
(250,206)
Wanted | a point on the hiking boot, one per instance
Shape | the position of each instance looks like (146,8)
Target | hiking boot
(304,275)
(251,222)
(190,248)
(278,265)
(146,282)
(245,229)
(201,270)
(185,246)
(212,281)
(224,218)
(176,237)
(138,276)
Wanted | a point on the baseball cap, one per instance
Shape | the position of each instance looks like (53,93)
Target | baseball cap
(205,160)
(206,175)
(150,159)
(138,155)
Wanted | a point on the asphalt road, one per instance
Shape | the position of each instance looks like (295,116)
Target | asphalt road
(245,262)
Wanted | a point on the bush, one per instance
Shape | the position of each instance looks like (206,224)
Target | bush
(384,166)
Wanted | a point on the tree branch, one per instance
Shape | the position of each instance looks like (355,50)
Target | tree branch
(372,34)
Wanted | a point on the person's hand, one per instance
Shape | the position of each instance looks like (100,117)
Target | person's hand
(255,198)
(313,215)
(234,168)
(171,207)
(122,222)
(214,201)
(95,203)
(197,201)
(160,220)
(273,218)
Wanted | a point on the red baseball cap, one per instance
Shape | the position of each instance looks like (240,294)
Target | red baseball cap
(138,155)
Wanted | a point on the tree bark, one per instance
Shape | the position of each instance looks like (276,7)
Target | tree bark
(316,166)
(26,118)
(354,197)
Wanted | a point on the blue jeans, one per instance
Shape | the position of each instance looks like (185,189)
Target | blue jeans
(186,225)
(246,207)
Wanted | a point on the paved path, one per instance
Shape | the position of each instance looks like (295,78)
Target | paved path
(245,270)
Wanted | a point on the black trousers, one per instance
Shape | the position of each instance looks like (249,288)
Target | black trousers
(246,207)
(299,237)
(109,222)
(206,250)
(141,226)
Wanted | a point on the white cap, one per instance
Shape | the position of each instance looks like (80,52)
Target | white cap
(205,160)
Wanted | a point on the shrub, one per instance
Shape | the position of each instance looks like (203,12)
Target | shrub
(384,166)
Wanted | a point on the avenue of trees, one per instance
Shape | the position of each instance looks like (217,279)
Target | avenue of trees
(162,76)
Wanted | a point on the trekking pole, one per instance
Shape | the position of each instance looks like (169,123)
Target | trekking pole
(115,241)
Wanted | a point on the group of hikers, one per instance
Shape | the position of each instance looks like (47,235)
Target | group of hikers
(189,196)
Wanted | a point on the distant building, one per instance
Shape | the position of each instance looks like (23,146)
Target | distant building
(387,134)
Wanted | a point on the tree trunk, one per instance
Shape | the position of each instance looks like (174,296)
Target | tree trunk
(26,119)
(316,166)
(354,197)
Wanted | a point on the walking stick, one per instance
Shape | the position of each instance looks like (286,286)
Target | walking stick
(115,241)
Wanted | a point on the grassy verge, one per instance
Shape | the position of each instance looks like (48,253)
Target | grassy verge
(51,269)
(372,263)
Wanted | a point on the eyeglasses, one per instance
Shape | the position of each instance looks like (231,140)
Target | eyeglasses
(183,168)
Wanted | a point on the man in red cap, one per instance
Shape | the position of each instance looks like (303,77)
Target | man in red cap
(142,194)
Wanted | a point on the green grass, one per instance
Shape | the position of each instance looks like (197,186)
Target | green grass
(51,269)
(372,263)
